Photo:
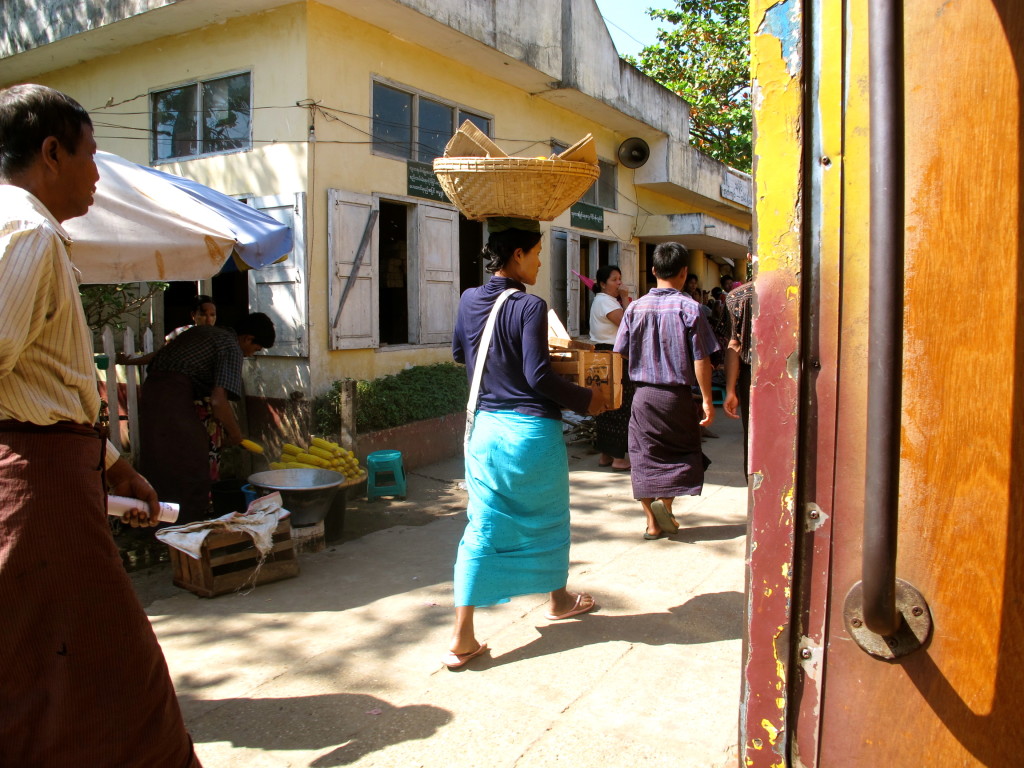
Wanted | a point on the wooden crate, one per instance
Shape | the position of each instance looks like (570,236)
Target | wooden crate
(588,368)
(229,559)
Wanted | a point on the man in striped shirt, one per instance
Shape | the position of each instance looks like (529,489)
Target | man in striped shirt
(82,678)
(669,344)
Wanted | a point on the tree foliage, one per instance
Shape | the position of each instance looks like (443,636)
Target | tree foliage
(108,304)
(705,58)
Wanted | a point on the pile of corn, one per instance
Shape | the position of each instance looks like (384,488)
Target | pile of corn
(320,454)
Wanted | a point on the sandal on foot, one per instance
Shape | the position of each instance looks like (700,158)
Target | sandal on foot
(654,536)
(454,660)
(577,608)
(666,521)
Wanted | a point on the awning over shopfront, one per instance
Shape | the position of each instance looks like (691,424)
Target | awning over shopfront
(149,225)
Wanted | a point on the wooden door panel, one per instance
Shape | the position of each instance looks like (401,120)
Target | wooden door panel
(958,701)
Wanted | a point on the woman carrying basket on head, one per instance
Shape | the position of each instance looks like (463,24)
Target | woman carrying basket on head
(517,537)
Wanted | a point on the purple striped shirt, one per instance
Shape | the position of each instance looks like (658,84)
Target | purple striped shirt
(662,333)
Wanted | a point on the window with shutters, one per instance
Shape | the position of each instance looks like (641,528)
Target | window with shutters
(280,290)
(397,268)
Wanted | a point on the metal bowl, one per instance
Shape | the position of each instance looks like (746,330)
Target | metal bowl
(306,493)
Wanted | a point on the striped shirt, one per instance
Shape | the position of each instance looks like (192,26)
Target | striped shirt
(662,333)
(47,373)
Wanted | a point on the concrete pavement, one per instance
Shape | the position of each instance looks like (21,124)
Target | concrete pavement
(340,666)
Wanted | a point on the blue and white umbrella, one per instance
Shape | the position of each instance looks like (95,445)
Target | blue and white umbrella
(145,224)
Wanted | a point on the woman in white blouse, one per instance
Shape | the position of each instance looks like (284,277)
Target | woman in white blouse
(610,300)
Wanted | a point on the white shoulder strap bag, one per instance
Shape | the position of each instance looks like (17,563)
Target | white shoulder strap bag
(481,360)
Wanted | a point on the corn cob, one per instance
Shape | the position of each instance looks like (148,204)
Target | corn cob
(316,450)
(308,458)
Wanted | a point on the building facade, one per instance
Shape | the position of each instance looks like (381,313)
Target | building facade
(328,115)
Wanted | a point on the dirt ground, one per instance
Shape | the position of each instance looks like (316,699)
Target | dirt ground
(429,498)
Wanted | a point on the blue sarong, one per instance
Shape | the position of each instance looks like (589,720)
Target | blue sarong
(517,538)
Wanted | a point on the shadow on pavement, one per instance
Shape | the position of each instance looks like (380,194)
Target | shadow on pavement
(356,724)
(704,619)
(709,533)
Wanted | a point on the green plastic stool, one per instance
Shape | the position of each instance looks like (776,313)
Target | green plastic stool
(385,475)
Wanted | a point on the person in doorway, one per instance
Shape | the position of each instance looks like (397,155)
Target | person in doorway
(738,356)
(517,474)
(668,343)
(84,681)
(185,412)
(204,312)
(605,316)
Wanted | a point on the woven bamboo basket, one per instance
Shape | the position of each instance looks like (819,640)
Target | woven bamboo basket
(526,188)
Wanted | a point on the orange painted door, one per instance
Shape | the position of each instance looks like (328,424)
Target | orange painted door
(817,698)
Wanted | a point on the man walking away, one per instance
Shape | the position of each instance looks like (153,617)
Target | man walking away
(668,342)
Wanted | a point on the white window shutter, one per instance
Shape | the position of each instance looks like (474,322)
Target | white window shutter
(572,257)
(437,233)
(279,290)
(629,268)
(352,296)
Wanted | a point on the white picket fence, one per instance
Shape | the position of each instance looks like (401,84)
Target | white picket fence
(132,376)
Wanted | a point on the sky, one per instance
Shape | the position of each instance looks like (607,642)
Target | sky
(630,26)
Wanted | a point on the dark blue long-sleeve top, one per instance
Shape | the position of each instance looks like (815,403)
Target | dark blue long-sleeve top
(517,376)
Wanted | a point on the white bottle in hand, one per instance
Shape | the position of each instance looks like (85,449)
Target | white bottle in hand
(118,505)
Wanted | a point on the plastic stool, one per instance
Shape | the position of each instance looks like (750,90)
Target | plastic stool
(385,475)
(717,395)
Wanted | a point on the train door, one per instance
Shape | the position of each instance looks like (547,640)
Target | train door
(885,621)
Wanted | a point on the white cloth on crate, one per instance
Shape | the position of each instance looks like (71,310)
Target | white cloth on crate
(259,521)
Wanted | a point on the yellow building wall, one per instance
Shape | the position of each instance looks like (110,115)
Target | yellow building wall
(521,124)
(311,51)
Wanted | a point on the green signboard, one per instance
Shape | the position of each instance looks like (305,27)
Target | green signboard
(586,216)
(423,183)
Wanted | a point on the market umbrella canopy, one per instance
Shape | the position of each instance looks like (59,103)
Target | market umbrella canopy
(145,224)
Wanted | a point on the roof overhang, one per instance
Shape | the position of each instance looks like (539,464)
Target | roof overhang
(721,241)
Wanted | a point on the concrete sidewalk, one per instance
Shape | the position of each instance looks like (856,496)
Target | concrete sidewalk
(340,666)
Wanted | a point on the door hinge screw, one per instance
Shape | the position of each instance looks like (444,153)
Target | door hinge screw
(805,653)
(917,610)
(856,622)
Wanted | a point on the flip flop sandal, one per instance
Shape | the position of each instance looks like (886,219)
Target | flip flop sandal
(577,608)
(666,522)
(458,660)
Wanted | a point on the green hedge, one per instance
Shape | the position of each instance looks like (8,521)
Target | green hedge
(420,392)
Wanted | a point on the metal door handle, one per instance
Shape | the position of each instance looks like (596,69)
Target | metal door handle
(885,615)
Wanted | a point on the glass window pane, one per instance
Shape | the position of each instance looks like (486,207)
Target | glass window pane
(226,113)
(590,196)
(174,123)
(435,129)
(480,122)
(606,185)
(392,121)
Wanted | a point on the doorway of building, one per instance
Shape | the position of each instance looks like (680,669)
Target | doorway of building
(594,254)
(394,270)
(471,245)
